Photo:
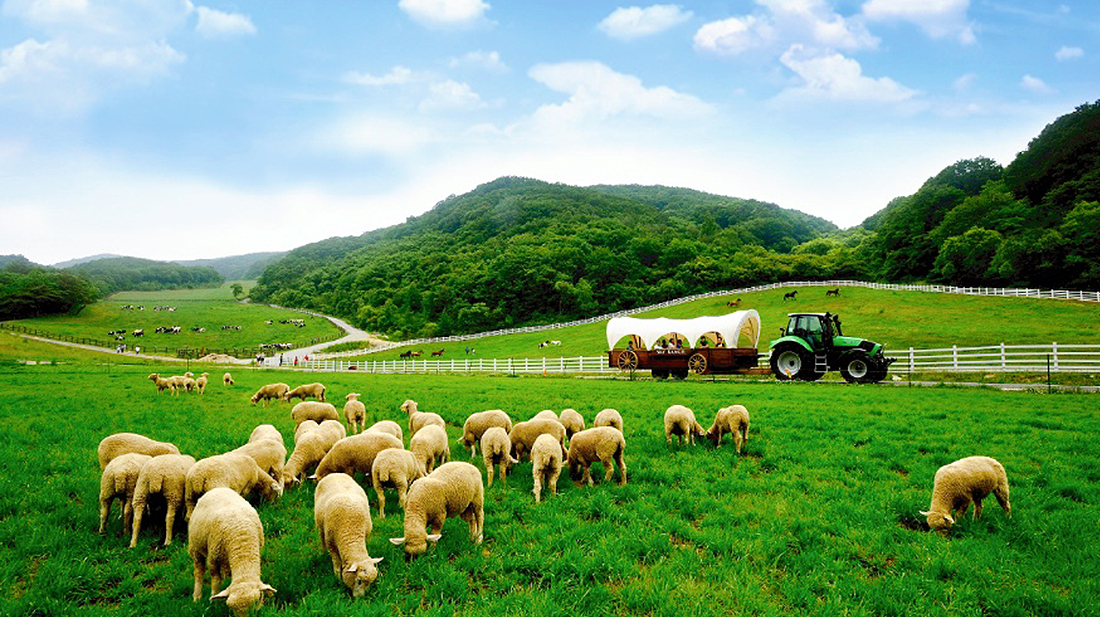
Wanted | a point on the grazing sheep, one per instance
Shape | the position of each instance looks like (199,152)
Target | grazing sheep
(546,464)
(545,414)
(183,382)
(313,410)
(477,423)
(524,434)
(420,419)
(966,480)
(355,412)
(342,516)
(609,417)
(496,448)
(734,420)
(572,420)
(231,470)
(269,454)
(333,430)
(303,428)
(227,379)
(453,489)
(309,450)
(189,375)
(164,475)
(680,421)
(118,481)
(225,536)
(124,443)
(162,383)
(355,454)
(200,383)
(430,445)
(309,390)
(601,443)
(396,468)
(270,391)
(265,431)
(388,426)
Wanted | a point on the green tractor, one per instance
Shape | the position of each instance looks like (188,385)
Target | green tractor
(813,344)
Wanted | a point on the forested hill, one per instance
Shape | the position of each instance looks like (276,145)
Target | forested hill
(517,251)
(134,274)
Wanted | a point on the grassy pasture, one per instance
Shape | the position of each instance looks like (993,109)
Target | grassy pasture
(899,319)
(818,517)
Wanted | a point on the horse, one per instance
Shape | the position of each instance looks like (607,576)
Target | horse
(436,354)
(832,292)
(406,354)
(734,303)
(790,295)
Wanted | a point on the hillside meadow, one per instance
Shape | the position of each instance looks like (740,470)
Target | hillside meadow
(817,517)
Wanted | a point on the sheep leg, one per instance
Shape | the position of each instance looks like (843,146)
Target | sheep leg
(977,507)
(104,511)
(554,481)
(737,442)
(380,494)
(200,573)
(127,517)
(537,490)
(169,522)
(215,581)
(489,472)
(139,511)
(504,472)
(587,475)
(622,467)
(608,468)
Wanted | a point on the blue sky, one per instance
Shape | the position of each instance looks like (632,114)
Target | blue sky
(173,129)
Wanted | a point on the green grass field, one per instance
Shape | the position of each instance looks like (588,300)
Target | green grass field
(818,517)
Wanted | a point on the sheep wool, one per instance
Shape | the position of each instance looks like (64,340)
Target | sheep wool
(313,410)
(430,446)
(231,470)
(164,475)
(265,431)
(545,414)
(269,454)
(680,421)
(496,449)
(309,390)
(609,417)
(342,516)
(573,422)
(394,468)
(333,430)
(524,434)
(123,443)
(304,427)
(355,455)
(200,383)
(225,536)
(546,465)
(272,391)
(605,444)
(477,423)
(958,484)
(309,450)
(733,420)
(355,413)
(388,426)
(454,489)
(162,383)
(118,481)
(227,379)
(419,419)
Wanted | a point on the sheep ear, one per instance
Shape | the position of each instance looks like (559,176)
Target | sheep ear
(268,590)
(397,541)
(221,595)
(434,537)
(923,513)
(352,568)
(949,518)
(376,560)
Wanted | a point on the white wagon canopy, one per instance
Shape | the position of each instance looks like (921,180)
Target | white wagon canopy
(733,328)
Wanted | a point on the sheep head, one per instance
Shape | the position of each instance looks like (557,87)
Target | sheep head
(358,576)
(938,520)
(240,597)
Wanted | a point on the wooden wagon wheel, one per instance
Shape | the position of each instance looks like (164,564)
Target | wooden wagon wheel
(628,360)
(697,363)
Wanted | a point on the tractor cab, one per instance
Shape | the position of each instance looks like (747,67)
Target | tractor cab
(813,343)
(817,329)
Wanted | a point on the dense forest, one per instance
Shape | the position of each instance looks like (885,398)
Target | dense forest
(29,290)
(519,251)
(237,267)
(133,274)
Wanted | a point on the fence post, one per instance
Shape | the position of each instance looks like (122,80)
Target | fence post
(955,357)
(1004,363)
(1054,353)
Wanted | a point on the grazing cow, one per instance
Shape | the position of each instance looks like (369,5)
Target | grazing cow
(790,296)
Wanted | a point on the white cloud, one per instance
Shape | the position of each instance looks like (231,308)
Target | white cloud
(964,82)
(397,76)
(1035,85)
(832,76)
(214,23)
(634,22)
(785,22)
(365,135)
(1069,53)
(733,36)
(445,13)
(487,61)
(937,18)
(451,95)
(596,92)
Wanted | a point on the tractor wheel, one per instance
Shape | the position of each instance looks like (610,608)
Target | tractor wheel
(628,360)
(790,362)
(856,367)
(697,363)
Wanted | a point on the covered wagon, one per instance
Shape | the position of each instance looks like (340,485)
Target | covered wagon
(716,344)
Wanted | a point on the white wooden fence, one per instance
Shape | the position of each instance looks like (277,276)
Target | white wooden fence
(991,359)
(1048,294)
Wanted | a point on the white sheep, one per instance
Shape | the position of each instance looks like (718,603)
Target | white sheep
(454,489)
(333,430)
(419,419)
(355,413)
(124,443)
(572,420)
(734,420)
(396,468)
(118,481)
(164,475)
(546,460)
(524,434)
(354,455)
(234,470)
(163,383)
(342,516)
(680,421)
(313,410)
(309,450)
(200,383)
(302,428)
(477,423)
(601,443)
(430,446)
(227,379)
(272,391)
(309,390)
(269,454)
(265,431)
(225,536)
(388,426)
(545,414)
(966,480)
(496,449)
(609,417)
